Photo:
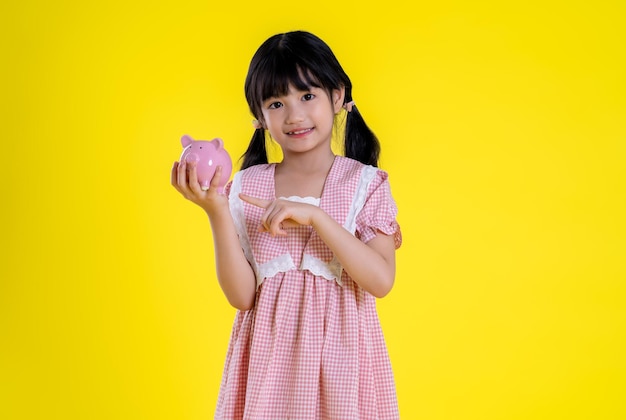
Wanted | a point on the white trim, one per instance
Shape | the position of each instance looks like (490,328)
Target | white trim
(239,219)
(368,173)
(329,270)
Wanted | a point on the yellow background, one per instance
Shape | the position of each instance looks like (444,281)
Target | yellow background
(503,130)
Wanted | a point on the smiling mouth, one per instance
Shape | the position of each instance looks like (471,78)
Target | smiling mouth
(302,131)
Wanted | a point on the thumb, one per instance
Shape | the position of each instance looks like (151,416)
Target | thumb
(255,201)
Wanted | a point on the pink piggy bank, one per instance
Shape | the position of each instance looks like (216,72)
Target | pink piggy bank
(208,155)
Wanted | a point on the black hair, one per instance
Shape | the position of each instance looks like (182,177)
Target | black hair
(303,60)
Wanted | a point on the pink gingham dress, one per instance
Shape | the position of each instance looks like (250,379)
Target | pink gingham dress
(312,346)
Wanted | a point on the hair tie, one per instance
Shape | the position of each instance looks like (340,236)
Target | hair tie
(257,124)
(348,106)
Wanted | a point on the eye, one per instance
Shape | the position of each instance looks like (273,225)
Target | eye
(275,105)
(308,96)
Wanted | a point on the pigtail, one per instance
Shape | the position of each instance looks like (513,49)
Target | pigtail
(256,153)
(360,142)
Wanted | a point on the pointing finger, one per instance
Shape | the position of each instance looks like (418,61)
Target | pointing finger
(255,201)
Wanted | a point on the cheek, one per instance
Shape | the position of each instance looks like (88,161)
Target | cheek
(275,118)
(268,118)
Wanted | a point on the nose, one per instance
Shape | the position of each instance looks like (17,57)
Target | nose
(295,114)
(192,157)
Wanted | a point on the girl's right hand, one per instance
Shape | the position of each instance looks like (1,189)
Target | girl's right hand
(185,179)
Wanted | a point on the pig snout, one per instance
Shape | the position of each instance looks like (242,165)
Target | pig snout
(192,157)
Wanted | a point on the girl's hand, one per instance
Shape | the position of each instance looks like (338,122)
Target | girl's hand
(280,214)
(185,179)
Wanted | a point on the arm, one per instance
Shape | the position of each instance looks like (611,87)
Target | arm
(234,274)
(372,266)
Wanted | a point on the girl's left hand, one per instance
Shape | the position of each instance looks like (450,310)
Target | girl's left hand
(280,214)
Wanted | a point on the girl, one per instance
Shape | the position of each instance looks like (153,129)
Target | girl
(303,247)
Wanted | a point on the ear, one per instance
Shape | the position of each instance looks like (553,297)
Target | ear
(186,140)
(220,143)
(257,124)
(337,96)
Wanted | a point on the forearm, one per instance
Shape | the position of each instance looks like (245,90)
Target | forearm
(371,266)
(234,273)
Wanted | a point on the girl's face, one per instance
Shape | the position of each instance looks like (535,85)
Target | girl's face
(302,121)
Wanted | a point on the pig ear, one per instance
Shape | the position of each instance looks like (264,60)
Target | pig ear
(186,140)
(219,143)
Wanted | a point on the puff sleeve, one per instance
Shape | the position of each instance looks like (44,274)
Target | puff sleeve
(379,211)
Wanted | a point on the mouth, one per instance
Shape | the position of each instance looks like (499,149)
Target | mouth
(299,131)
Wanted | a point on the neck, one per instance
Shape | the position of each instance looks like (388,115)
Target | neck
(307,164)
(302,177)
